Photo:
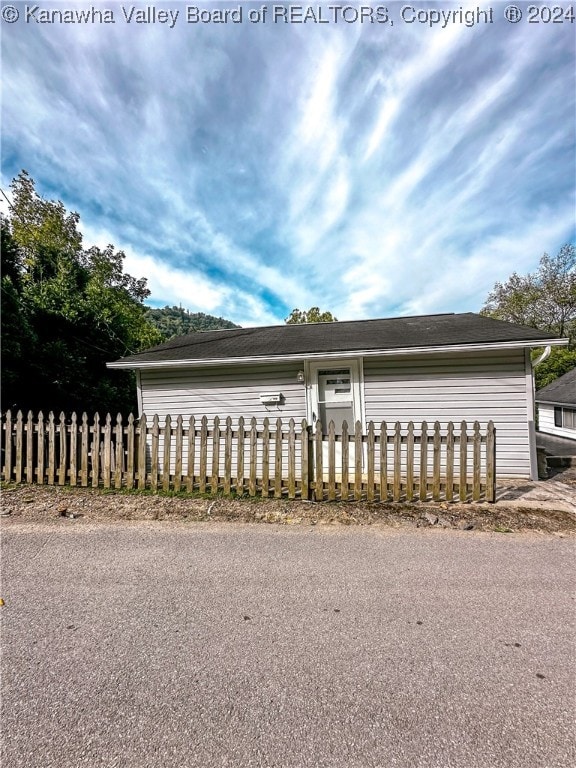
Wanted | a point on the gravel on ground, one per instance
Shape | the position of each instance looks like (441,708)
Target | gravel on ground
(34,504)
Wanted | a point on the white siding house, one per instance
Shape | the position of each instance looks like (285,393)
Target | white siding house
(557,407)
(434,368)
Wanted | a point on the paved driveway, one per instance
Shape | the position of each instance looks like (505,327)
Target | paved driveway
(159,644)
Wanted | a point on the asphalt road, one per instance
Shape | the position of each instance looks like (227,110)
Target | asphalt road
(161,644)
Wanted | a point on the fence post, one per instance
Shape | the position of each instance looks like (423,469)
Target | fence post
(491,462)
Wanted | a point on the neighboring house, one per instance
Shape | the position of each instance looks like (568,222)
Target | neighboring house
(557,406)
(436,367)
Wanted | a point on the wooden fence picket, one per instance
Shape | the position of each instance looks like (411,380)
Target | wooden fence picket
(240,457)
(318,464)
(371,454)
(257,460)
(383,462)
(253,438)
(278,460)
(345,483)
(410,462)
(8,447)
(155,450)
(130,451)
(40,456)
(449,493)
(436,458)
(228,456)
(331,461)
(423,482)
(63,445)
(94,450)
(84,449)
(29,431)
(291,460)
(476,459)
(397,481)
(462,489)
(51,449)
(19,447)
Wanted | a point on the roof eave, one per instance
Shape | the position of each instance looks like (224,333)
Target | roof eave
(337,355)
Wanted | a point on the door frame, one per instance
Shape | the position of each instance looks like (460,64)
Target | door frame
(356,366)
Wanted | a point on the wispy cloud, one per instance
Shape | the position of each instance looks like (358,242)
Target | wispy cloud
(247,169)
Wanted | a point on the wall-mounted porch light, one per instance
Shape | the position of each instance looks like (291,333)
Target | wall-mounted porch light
(300,377)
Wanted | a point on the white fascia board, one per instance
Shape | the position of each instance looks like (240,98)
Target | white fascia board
(183,363)
(555,402)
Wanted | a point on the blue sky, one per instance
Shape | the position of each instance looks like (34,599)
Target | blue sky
(249,168)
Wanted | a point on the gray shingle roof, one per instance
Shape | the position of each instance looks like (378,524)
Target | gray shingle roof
(562,391)
(344,337)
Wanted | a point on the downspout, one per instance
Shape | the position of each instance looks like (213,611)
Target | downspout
(530,391)
(544,356)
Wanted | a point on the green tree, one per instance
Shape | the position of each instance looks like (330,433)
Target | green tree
(545,299)
(78,307)
(313,315)
(176,321)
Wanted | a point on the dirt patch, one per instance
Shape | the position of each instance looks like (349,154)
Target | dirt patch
(43,504)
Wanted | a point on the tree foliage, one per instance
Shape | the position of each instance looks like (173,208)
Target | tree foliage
(66,312)
(176,321)
(313,315)
(545,299)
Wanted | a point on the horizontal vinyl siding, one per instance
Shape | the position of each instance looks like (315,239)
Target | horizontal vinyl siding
(445,388)
(229,391)
(546,423)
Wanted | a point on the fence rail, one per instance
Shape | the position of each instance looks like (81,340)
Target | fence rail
(268,459)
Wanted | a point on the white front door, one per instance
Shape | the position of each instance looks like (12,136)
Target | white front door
(334,395)
(335,398)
